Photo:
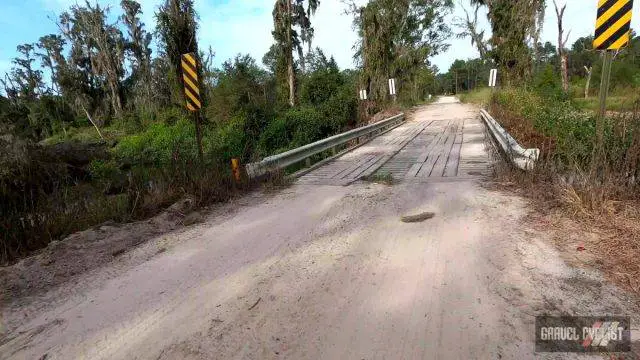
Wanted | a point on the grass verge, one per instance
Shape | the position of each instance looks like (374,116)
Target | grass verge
(480,97)
(597,210)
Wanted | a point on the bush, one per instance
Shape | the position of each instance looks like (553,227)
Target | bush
(320,85)
(276,138)
(161,145)
(547,83)
(554,126)
(297,127)
(229,141)
(171,115)
(565,134)
(106,174)
(341,110)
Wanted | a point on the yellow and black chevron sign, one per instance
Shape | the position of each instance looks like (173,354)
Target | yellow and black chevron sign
(190,79)
(613,24)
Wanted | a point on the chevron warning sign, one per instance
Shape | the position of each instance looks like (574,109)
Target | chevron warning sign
(613,24)
(190,79)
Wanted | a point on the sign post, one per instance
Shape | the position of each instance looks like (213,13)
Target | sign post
(613,28)
(392,89)
(192,93)
(493,77)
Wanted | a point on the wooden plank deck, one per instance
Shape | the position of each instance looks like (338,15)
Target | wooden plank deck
(428,147)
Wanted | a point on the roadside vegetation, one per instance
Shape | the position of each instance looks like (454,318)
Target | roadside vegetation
(547,98)
(93,125)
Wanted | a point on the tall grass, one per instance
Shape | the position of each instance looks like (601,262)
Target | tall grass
(605,201)
(481,97)
(565,135)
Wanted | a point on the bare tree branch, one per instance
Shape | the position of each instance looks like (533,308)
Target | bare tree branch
(562,42)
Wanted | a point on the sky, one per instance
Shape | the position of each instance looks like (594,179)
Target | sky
(244,26)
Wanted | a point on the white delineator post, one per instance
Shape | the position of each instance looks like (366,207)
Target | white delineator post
(392,88)
(493,77)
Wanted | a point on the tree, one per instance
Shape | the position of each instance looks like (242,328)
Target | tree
(24,82)
(97,54)
(239,85)
(537,23)
(288,14)
(396,40)
(52,58)
(587,85)
(547,54)
(108,44)
(137,47)
(562,42)
(512,22)
(177,26)
(469,28)
(323,81)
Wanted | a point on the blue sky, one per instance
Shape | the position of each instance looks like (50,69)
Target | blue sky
(244,26)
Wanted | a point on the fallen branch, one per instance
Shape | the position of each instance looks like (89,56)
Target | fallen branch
(91,121)
(256,304)
(418,218)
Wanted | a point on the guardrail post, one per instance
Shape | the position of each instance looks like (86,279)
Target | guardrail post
(334,151)
(307,162)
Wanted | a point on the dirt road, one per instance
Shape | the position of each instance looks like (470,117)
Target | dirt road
(327,272)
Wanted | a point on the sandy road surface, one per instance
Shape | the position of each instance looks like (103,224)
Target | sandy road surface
(329,272)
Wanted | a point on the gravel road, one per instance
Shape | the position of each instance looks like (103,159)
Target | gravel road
(325,272)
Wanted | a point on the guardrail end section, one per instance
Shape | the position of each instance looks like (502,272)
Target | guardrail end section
(533,154)
(524,159)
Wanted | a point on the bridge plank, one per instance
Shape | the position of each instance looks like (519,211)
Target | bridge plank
(453,162)
(440,165)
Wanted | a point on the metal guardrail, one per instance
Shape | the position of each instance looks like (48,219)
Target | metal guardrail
(282,161)
(522,158)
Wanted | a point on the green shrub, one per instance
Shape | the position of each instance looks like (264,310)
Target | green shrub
(161,145)
(571,130)
(276,138)
(107,176)
(321,85)
(547,83)
(130,122)
(341,110)
(297,127)
(229,141)
(171,115)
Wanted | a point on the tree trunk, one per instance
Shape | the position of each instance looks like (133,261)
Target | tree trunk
(565,72)
(290,72)
(588,85)
(292,83)
(562,41)
(115,98)
(456,82)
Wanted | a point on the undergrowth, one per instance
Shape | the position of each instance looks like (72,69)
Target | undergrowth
(603,202)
